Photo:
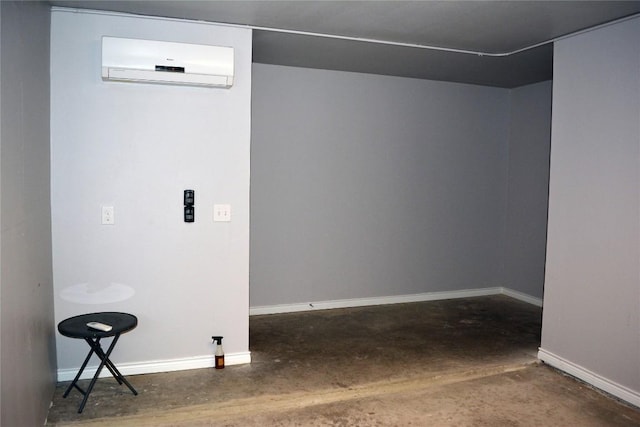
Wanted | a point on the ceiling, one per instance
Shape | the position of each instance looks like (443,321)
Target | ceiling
(494,43)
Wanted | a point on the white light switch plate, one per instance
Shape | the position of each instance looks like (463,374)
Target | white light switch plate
(221,213)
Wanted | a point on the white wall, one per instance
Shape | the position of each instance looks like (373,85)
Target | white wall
(137,147)
(592,292)
(368,186)
(528,188)
(27,344)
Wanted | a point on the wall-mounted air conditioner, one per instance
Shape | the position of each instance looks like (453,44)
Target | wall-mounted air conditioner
(148,61)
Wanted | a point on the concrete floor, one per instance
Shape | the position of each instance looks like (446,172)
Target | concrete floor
(465,362)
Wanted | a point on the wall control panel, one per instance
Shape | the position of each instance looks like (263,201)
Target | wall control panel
(189,201)
(222,213)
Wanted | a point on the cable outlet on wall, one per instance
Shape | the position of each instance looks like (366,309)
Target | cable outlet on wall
(221,213)
(108,217)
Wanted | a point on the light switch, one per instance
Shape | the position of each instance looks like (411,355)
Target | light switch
(221,213)
(108,215)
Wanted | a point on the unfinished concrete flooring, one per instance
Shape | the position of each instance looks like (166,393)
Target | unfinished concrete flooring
(466,362)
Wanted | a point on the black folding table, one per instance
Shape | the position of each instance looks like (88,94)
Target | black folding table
(76,327)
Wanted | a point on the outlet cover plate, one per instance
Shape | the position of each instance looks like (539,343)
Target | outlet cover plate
(108,215)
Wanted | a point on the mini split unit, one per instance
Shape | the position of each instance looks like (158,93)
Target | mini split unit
(147,61)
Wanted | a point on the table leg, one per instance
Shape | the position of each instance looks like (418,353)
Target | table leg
(104,361)
(75,380)
(95,347)
(114,371)
(108,364)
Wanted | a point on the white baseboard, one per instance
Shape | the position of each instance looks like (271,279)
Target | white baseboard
(522,297)
(397,299)
(608,386)
(197,362)
(154,366)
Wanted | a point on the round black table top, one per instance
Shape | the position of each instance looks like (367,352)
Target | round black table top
(76,327)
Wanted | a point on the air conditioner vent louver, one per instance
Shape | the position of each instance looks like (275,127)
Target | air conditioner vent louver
(148,61)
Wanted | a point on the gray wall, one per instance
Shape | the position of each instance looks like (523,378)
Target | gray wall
(366,186)
(136,147)
(592,292)
(528,188)
(27,362)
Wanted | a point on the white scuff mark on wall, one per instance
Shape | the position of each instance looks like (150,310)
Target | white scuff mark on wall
(88,293)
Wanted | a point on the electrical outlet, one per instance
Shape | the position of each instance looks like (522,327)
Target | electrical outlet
(221,213)
(108,215)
